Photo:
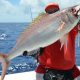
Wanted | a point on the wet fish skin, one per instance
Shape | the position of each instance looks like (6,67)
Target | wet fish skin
(44,31)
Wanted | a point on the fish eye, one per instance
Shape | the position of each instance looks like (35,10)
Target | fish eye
(73,10)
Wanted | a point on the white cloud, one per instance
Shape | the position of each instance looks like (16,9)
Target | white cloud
(68,3)
(29,2)
(22,11)
(11,13)
(33,4)
(5,6)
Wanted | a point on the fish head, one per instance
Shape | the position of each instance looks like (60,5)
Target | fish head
(76,10)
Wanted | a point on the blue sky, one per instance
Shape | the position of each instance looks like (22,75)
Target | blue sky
(14,2)
(20,10)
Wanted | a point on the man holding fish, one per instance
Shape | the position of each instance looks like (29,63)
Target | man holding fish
(56,63)
(59,58)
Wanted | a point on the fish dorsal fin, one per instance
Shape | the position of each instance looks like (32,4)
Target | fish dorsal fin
(38,18)
(63,41)
(29,28)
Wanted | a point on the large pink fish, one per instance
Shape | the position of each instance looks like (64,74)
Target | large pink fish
(43,31)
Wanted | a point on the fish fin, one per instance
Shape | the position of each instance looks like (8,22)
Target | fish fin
(61,26)
(23,34)
(63,41)
(5,64)
(40,16)
(61,45)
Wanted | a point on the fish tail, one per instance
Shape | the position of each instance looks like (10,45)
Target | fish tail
(5,64)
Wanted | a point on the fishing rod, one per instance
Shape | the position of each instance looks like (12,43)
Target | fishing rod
(31,13)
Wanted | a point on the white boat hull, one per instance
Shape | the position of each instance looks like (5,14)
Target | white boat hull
(31,75)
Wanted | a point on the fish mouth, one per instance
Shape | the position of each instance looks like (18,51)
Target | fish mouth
(79,12)
(76,10)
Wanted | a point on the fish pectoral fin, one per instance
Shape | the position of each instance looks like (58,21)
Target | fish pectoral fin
(61,26)
(63,41)
(5,64)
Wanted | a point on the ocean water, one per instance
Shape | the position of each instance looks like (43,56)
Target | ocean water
(9,32)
